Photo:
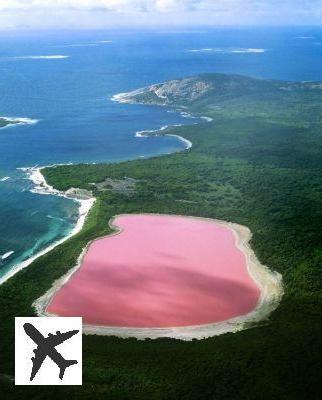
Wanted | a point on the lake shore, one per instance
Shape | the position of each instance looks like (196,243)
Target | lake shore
(269,283)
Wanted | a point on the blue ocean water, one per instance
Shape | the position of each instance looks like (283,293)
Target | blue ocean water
(79,123)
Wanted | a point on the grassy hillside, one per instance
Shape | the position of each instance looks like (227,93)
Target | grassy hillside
(259,163)
(234,96)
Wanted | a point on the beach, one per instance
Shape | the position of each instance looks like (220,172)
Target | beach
(41,187)
(161,132)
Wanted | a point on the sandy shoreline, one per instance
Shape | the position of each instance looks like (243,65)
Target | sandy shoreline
(187,142)
(41,187)
(269,282)
(158,133)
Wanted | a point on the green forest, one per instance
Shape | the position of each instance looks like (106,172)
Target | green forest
(259,164)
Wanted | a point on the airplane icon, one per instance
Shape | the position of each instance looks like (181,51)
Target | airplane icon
(46,347)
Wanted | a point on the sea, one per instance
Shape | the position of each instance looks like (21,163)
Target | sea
(62,82)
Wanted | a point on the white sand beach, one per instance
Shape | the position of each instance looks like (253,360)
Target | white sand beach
(41,187)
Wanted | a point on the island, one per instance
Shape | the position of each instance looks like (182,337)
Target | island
(256,163)
(7,121)
(13,121)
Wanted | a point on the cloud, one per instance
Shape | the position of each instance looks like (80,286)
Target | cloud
(176,5)
(108,5)
(100,12)
(218,6)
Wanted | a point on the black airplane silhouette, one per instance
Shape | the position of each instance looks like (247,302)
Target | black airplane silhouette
(46,347)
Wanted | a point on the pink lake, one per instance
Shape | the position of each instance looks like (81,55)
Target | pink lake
(160,271)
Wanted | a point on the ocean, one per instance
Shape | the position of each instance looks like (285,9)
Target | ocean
(63,81)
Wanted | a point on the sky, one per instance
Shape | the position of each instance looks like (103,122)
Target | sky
(97,14)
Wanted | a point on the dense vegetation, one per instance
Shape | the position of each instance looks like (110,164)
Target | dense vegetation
(259,163)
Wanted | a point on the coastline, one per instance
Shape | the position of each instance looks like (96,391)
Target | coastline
(42,187)
(269,283)
(158,132)
(126,98)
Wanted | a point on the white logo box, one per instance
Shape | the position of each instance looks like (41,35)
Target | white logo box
(65,354)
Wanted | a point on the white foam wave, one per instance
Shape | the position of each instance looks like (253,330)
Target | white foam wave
(80,45)
(185,114)
(248,51)
(6,255)
(55,218)
(94,44)
(5,178)
(206,50)
(305,37)
(40,185)
(183,32)
(49,57)
(140,134)
(119,97)
(208,119)
(227,50)
(13,121)
(125,97)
